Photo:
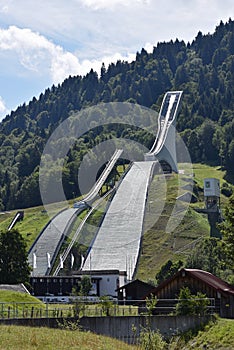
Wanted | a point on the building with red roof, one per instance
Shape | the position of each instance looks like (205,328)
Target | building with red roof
(199,281)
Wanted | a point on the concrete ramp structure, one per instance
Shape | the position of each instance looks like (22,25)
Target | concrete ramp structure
(44,250)
(118,240)
(164,147)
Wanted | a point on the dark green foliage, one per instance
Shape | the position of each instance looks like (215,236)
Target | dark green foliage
(227,229)
(185,303)
(151,304)
(204,70)
(208,255)
(214,255)
(106,304)
(14,266)
(168,270)
(226,189)
(189,304)
(85,285)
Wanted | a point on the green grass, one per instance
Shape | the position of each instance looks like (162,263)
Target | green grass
(34,221)
(16,337)
(217,336)
(7,296)
(16,304)
(214,337)
(202,171)
(158,246)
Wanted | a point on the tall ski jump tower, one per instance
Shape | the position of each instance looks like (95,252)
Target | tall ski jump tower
(164,147)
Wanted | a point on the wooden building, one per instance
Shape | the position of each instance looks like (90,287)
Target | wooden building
(134,290)
(199,281)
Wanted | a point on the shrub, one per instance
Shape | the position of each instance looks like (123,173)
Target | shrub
(189,304)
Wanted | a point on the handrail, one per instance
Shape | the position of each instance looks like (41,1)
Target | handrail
(94,191)
(64,255)
(163,129)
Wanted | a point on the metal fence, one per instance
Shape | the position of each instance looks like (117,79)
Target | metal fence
(80,309)
(91,309)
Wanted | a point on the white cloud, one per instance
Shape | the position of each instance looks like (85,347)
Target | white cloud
(3,109)
(101,4)
(39,56)
(4,6)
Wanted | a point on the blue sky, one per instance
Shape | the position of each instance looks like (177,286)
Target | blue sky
(43,42)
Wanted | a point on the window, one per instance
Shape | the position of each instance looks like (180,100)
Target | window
(207,184)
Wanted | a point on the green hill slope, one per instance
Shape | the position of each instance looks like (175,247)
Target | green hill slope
(159,246)
(218,336)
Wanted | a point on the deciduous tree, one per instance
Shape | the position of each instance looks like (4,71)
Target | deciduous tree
(14,267)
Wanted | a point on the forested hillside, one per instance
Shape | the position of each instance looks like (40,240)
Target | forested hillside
(203,69)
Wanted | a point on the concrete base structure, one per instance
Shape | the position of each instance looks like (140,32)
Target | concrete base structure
(121,327)
(164,147)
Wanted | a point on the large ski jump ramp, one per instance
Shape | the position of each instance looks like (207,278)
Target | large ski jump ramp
(118,240)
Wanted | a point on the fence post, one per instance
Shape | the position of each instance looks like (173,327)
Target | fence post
(47,314)
(9,311)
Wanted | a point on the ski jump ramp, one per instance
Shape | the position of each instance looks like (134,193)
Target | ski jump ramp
(117,243)
(49,240)
(164,147)
(45,249)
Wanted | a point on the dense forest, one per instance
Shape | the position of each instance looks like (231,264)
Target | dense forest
(203,69)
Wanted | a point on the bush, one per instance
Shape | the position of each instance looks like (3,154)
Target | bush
(151,340)
(189,304)
(226,190)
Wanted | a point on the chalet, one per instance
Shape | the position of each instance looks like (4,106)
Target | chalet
(133,291)
(199,281)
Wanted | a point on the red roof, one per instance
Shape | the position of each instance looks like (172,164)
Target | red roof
(207,277)
(211,280)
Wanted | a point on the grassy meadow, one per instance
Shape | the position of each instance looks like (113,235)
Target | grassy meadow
(215,336)
(26,338)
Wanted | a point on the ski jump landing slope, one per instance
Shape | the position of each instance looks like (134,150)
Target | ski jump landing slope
(46,247)
(117,243)
(50,238)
